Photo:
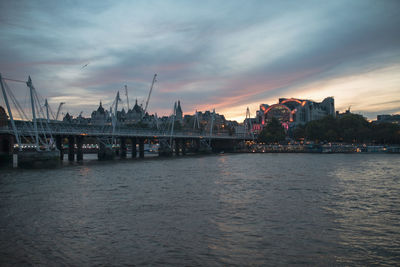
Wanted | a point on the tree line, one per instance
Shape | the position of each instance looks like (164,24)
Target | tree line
(347,128)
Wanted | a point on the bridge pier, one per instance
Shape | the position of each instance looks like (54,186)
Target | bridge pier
(71,148)
(105,152)
(59,141)
(177,147)
(134,142)
(122,148)
(224,145)
(102,151)
(183,146)
(79,152)
(164,149)
(196,145)
(141,147)
(6,149)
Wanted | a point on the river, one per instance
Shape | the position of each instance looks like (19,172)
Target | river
(217,210)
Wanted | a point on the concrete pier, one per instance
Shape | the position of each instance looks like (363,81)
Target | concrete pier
(79,152)
(196,145)
(71,148)
(6,149)
(122,148)
(134,142)
(183,146)
(105,153)
(38,159)
(177,147)
(141,147)
(224,145)
(59,142)
(102,151)
(164,149)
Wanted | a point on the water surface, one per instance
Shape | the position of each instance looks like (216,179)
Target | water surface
(238,209)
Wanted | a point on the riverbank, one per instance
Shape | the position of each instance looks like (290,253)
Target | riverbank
(320,148)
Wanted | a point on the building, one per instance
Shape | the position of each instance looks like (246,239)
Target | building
(388,118)
(100,116)
(179,113)
(135,114)
(292,112)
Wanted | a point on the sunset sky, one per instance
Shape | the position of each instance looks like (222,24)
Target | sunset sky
(226,55)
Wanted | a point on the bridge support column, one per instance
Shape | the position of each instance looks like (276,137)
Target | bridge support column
(71,148)
(116,151)
(183,146)
(177,146)
(101,154)
(59,146)
(141,147)
(105,152)
(225,145)
(122,148)
(79,152)
(196,145)
(6,149)
(134,152)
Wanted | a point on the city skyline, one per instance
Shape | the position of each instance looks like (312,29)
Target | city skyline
(218,55)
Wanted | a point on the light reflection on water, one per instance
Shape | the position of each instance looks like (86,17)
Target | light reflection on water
(240,209)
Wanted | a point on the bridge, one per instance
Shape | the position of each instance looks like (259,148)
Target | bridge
(112,135)
(25,128)
(72,135)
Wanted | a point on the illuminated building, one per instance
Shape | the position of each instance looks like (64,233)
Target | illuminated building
(292,111)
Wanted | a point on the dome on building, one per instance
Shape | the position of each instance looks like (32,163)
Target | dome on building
(100,109)
(137,108)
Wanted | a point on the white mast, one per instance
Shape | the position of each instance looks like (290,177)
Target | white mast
(29,83)
(10,114)
(114,118)
(59,109)
(46,104)
(148,97)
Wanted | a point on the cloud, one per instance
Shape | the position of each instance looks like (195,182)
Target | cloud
(227,55)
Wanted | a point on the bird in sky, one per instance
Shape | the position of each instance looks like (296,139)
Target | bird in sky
(85,65)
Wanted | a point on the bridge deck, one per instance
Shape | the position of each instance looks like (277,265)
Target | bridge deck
(67,129)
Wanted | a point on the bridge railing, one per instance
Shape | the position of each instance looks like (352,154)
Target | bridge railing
(62,128)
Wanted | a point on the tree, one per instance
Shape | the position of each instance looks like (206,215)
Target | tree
(314,130)
(299,132)
(386,133)
(324,129)
(272,133)
(353,128)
